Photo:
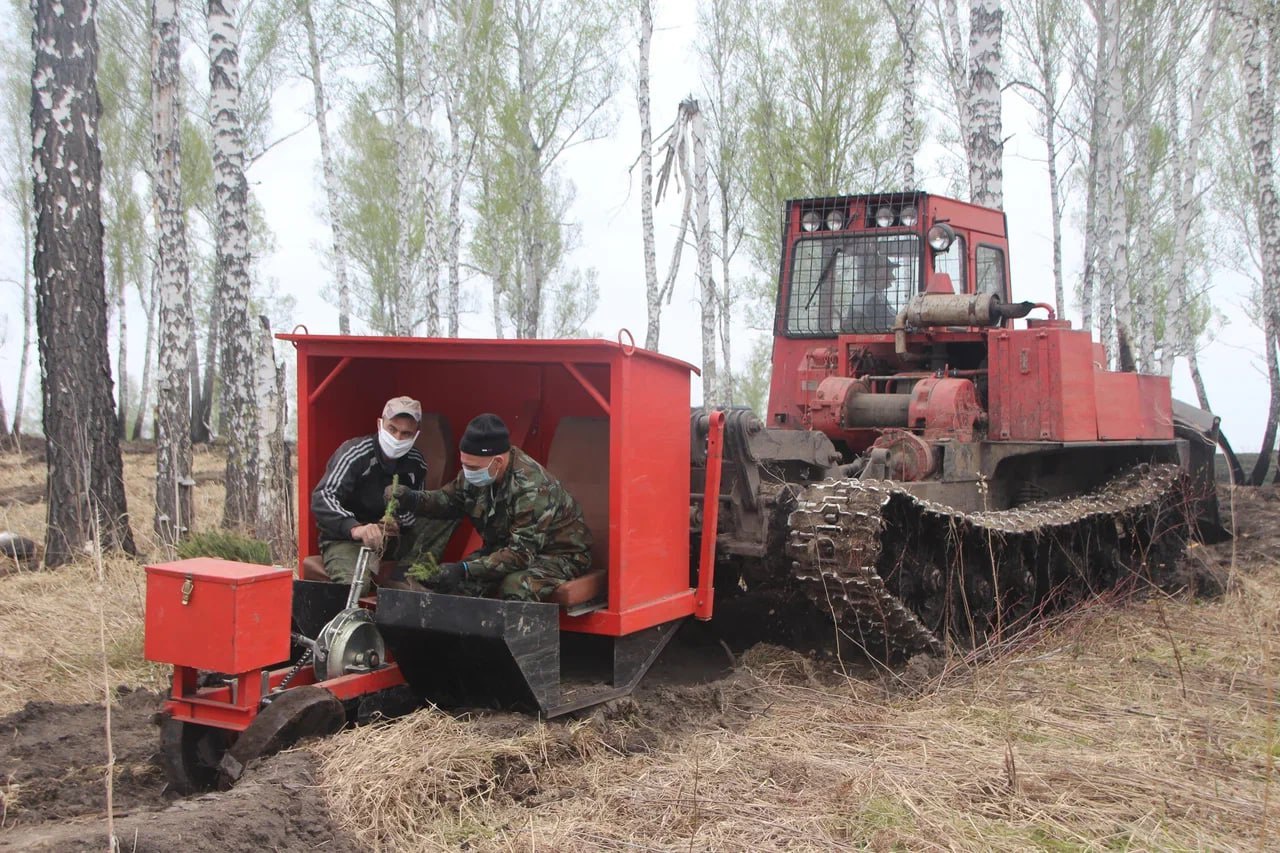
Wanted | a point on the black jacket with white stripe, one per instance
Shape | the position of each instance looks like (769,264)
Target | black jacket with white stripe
(350,492)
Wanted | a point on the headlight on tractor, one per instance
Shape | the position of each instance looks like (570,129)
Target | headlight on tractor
(908,216)
(941,236)
(811,220)
(884,217)
(835,220)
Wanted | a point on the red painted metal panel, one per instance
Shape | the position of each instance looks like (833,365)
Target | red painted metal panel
(235,619)
(1120,406)
(1041,385)
(649,507)
(531,384)
(1156,408)
(710,518)
(612,623)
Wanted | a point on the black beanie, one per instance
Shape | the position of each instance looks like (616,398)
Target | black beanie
(486,435)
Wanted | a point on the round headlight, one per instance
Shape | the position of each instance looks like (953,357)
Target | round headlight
(941,237)
(907,216)
(811,220)
(884,217)
(835,220)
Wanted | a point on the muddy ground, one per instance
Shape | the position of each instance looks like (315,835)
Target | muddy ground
(52,756)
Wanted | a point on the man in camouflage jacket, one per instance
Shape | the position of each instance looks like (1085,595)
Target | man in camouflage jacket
(534,535)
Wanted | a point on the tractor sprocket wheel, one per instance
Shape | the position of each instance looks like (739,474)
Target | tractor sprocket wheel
(299,712)
(189,753)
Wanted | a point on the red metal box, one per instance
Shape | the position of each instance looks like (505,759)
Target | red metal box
(1133,406)
(1040,385)
(218,615)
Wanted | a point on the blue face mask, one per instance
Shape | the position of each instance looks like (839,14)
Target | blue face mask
(480,477)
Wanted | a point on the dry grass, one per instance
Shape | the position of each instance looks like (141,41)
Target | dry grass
(49,621)
(28,517)
(1091,738)
(1148,726)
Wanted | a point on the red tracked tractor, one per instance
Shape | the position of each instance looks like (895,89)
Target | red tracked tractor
(927,472)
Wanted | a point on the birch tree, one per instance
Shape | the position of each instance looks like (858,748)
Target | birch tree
(174,485)
(653,294)
(721,48)
(467,47)
(86,498)
(314,71)
(1258,30)
(1180,307)
(275,520)
(985,142)
(559,67)
(15,185)
(385,32)
(1039,33)
(382,243)
(232,192)
(971,69)
(424,115)
(906,15)
(818,120)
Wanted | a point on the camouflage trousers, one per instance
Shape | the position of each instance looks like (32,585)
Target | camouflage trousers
(537,582)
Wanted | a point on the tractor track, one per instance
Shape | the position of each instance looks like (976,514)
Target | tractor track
(901,575)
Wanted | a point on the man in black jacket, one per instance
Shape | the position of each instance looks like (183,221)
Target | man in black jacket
(347,502)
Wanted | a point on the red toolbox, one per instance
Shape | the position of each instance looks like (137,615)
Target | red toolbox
(193,606)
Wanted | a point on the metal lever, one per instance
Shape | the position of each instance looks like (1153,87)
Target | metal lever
(357,580)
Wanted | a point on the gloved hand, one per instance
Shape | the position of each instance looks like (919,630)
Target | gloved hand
(451,576)
(406,497)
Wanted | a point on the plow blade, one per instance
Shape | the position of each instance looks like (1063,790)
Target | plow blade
(456,650)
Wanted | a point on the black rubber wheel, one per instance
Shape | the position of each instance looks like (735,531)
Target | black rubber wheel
(190,753)
(299,712)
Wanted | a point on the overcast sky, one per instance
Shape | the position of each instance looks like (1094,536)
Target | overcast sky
(286,182)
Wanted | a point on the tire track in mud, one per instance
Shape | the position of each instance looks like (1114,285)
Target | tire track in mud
(53,796)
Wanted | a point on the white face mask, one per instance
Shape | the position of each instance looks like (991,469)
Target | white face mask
(394,448)
(479,477)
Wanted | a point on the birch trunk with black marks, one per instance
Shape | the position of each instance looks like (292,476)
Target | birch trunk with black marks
(275,504)
(400,309)
(957,71)
(122,340)
(24,359)
(424,113)
(1253,32)
(1108,232)
(144,387)
(231,191)
(86,497)
(653,296)
(702,240)
(1141,323)
(202,408)
(1093,180)
(986,144)
(321,105)
(172,290)
(1182,342)
(906,24)
(459,163)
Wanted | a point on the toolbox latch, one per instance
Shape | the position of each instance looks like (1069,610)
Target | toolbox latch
(188,586)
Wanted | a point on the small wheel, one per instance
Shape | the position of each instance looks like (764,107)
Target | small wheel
(190,753)
(299,712)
